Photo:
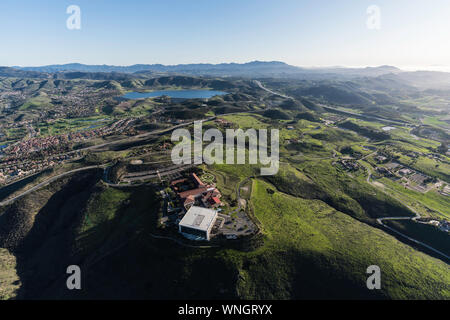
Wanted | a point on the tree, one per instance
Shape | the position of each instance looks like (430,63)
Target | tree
(442,148)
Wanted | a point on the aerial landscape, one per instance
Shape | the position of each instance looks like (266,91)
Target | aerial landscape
(89,183)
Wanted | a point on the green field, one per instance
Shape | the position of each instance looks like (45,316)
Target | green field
(62,126)
(9,280)
(312,228)
(435,121)
(432,200)
(39,102)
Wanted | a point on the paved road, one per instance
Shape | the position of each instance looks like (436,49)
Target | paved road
(357,115)
(417,216)
(159,173)
(157,132)
(45,183)
(151,133)
(379,220)
(129,139)
(272,92)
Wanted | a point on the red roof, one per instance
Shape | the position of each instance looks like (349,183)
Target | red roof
(177,181)
(197,180)
(214,200)
(193,192)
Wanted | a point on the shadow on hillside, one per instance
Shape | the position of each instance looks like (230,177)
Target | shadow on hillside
(45,252)
(122,261)
(113,255)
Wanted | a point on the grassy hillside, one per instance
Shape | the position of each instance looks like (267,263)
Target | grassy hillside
(307,250)
(320,180)
(310,232)
(9,281)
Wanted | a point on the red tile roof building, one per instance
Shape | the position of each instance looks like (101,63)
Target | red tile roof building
(197,180)
(210,196)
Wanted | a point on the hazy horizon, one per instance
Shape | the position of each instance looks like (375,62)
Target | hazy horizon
(411,35)
(436,68)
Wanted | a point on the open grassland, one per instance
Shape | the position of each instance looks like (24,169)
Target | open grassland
(430,167)
(110,213)
(9,280)
(246,121)
(345,193)
(319,234)
(228,178)
(15,134)
(133,108)
(102,208)
(403,138)
(62,126)
(95,158)
(436,121)
(42,101)
(439,205)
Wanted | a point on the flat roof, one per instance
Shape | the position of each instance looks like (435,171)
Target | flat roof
(199,218)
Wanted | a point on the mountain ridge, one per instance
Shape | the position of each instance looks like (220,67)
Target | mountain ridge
(252,68)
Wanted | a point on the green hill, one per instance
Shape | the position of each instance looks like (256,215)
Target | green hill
(307,249)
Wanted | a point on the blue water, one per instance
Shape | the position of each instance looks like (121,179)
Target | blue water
(92,120)
(90,127)
(3,146)
(93,126)
(182,94)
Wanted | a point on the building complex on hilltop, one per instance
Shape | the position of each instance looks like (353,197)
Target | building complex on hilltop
(199,201)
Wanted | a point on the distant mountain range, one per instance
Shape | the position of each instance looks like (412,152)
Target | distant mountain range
(250,69)
(17,73)
(254,70)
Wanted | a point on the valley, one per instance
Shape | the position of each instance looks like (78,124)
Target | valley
(87,178)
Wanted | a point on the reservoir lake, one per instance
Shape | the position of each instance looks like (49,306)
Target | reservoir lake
(180,94)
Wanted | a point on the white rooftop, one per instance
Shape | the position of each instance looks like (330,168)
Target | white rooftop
(199,218)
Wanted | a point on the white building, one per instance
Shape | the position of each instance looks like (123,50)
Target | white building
(197,223)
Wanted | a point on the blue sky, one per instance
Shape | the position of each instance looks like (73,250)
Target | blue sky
(413,33)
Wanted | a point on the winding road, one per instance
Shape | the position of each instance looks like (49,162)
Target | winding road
(417,216)
(45,183)
(369,174)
